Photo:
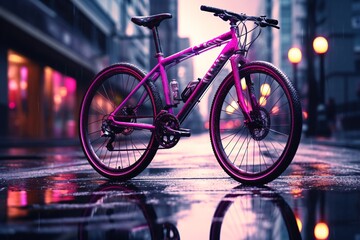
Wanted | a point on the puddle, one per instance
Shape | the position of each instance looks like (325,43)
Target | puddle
(79,206)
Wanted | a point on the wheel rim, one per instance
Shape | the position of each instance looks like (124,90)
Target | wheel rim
(252,152)
(130,145)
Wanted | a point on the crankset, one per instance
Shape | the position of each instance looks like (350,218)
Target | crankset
(168,131)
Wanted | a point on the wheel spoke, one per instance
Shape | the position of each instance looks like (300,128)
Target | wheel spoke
(252,151)
(113,150)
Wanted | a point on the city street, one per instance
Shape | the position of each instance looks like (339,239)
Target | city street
(53,193)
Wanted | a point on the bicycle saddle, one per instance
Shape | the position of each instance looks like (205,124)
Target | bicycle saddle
(151,21)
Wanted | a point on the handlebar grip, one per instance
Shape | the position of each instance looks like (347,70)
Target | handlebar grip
(211,9)
(272,21)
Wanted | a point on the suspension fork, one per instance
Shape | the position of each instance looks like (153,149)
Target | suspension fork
(237,60)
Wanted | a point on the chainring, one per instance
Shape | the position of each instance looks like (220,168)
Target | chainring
(164,124)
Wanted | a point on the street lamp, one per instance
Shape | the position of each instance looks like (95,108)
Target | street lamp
(294,55)
(321,46)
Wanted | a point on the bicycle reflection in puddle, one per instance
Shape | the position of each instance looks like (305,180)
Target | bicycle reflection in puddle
(254,213)
(121,212)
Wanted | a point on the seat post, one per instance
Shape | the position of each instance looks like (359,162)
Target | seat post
(157,41)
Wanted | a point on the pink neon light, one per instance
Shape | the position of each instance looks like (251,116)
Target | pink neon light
(70,84)
(24,73)
(12,105)
(57,79)
(23,198)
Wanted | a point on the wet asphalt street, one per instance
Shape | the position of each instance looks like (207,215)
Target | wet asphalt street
(53,193)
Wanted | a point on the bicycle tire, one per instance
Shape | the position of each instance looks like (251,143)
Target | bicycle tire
(272,146)
(133,148)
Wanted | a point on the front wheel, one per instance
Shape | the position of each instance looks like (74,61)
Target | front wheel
(256,152)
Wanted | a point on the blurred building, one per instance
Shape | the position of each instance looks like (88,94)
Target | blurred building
(185,75)
(300,22)
(168,31)
(339,22)
(133,41)
(50,51)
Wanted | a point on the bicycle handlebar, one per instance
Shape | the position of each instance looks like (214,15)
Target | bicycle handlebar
(227,15)
(211,9)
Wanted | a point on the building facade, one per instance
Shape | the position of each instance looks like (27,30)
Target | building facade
(339,23)
(49,54)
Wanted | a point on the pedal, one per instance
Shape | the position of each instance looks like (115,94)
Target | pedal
(182,132)
(185,132)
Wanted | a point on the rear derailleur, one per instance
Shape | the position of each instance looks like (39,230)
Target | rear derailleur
(110,129)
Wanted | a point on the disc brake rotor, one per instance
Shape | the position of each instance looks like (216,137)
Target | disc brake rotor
(260,126)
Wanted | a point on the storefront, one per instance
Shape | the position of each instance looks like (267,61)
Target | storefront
(41,101)
(49,52)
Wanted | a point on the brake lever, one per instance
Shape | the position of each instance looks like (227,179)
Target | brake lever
(274,26)
(265,24)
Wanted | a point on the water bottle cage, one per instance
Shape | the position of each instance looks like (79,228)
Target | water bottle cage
(189,89)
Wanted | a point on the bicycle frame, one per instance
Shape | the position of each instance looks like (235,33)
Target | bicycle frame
(230,51)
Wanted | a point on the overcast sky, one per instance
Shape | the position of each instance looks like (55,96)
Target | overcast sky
(200,26)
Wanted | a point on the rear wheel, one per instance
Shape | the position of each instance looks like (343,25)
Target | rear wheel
(256,152)
(119,152)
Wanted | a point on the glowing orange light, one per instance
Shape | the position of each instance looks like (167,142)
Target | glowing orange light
(294,55)
(15,201)
(237,123)
(57,99)
(13,86)
(299,223)
(321,231)
(23,85)
(99,101)
(262,101)
(320,45)
(14,58)
(230,109)
(296,191)
(230,125)
(265,89)
(63,91)
(48,70)
(243,84)
(275,110)
(305,115)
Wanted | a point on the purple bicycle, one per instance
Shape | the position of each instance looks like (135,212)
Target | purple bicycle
(255,119)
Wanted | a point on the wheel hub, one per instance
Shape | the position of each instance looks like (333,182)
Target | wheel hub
(260,124)
(126,115)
